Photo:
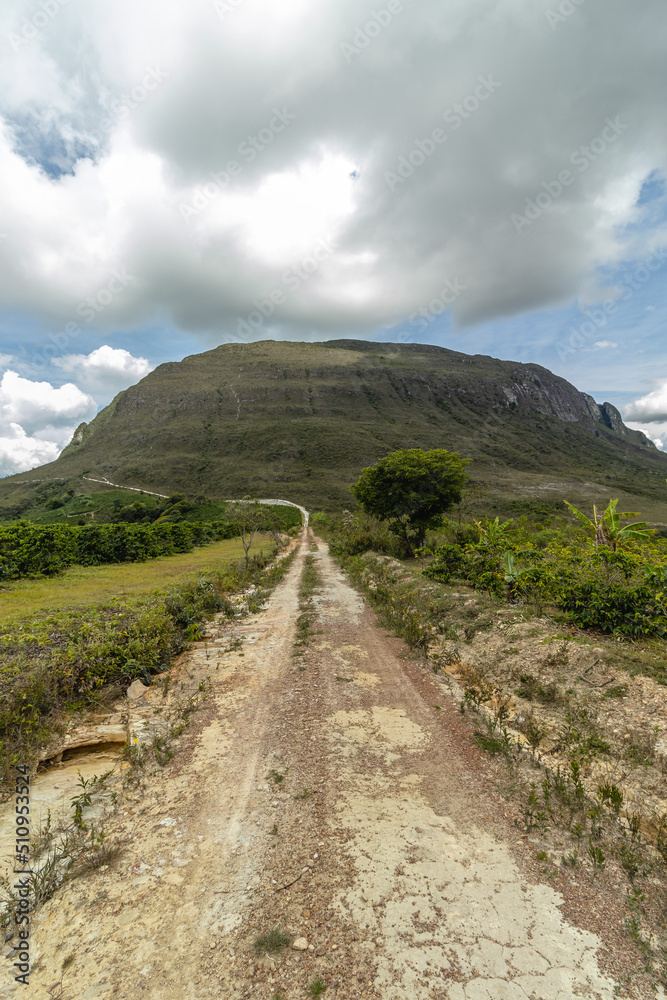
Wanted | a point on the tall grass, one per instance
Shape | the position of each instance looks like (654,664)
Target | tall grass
(56,661)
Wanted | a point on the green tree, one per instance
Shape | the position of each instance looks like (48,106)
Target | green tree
(412,489)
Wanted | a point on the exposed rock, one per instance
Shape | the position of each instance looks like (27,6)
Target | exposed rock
(593,407)
(84,736)
(612,418)
(136,690)
(300,944)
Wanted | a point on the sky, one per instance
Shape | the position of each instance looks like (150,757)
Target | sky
(484,175)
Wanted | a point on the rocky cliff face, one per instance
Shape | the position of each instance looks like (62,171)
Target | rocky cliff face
(607,414)
(306,418)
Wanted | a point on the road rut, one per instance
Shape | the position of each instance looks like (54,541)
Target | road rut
(326,796)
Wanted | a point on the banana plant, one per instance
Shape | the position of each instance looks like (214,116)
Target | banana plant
(493,532)
(510,567)
(608,527)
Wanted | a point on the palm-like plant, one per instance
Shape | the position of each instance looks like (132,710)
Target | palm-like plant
(492,533)
(608,527)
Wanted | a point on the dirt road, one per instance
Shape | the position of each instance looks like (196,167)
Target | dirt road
(383,846)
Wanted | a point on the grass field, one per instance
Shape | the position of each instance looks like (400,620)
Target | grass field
(82,585)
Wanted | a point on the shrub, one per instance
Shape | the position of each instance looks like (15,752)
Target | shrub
(32,550)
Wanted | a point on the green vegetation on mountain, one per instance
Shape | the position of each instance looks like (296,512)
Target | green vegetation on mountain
(300,421)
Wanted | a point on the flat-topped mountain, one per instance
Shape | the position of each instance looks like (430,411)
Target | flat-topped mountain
(300,421)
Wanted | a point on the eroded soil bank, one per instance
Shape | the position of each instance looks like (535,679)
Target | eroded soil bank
(323,795)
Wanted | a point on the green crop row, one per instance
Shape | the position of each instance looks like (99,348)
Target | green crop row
(43,550)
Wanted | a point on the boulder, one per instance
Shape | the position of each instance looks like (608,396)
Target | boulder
(136,690)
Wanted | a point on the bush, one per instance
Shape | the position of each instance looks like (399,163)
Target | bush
(611,591)
(631,611)
(357,533)
(32,550)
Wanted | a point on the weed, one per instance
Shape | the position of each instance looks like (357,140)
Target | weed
(82,800)
(634,823)
(635,898)
(531,689)
(616,691)
(57,991)
(316,988)
(271,942)
(559,657)
(494,742)
(579,734)
(161,749)
(571,860)
(347,680)
(534,732)
(273,832)
(612,795)
(597,857)
(43,839)
(305,794)
(100,853)
(534,817)
(631,860)
(640,748)
(275,776)
(475,697)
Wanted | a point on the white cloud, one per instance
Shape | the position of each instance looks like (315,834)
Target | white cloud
(20,452)
(602,344)
(106,370)
(34,405)
(651,408)
(6,359)
(656,432)
(37,420)
(324,174)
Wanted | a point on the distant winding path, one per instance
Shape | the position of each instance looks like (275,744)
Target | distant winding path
(135,489)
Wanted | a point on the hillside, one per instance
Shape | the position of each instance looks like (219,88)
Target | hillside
(300,421)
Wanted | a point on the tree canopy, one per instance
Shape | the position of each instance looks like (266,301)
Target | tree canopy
(412,489)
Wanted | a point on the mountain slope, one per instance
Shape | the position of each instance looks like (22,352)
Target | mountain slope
(301,420)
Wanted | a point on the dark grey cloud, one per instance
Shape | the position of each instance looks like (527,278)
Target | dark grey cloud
(497,144)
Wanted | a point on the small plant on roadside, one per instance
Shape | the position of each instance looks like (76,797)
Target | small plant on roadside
(495,741)
(57,991)
(316,988)
(83,799)
(535,817)
(635,898)
(273,941)
(596,854)
(162,751)
(611,795)
(534,732)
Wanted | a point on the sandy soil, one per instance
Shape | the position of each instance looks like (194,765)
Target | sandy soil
(384,850)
